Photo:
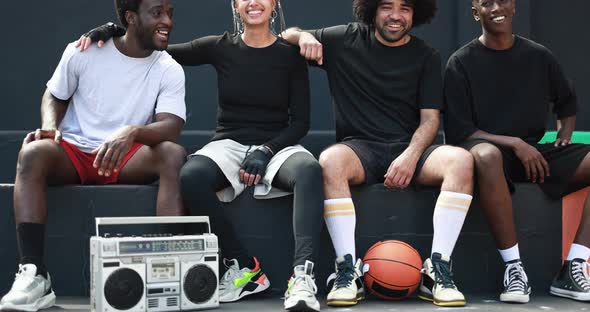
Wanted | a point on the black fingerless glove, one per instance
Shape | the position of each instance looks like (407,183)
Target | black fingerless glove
(256,162)
(105,32)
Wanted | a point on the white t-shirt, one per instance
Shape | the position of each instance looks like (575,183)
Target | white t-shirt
(109,90)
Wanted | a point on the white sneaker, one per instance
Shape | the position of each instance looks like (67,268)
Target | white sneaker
(29,292)
(437,283)
(516,284)
(237,283)
(347,288)
(300,295)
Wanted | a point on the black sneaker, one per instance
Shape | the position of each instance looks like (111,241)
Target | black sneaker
(572,281)
(516,283)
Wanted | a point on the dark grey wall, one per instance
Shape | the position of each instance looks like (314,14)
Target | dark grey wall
(38,34)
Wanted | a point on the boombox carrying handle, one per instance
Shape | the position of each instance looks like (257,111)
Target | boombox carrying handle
(150,220)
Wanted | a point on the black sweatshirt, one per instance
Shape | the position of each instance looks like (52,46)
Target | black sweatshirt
(504,92)
(263,92)
(378,91)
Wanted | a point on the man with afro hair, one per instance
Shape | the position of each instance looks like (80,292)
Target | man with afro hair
(386,87)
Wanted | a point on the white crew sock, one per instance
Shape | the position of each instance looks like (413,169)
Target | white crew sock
(449,215)
(510,254)
(341,221)
(578,251)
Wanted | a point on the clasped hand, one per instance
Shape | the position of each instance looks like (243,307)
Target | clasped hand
(254,167)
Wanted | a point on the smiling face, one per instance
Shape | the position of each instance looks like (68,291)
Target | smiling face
(153,23)
(255,12)
(393,20)
(495,15)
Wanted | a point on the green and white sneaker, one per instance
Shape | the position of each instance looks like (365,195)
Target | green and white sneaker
(238,282)
(300,295)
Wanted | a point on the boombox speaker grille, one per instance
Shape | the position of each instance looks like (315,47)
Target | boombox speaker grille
(123,289)
(200,283)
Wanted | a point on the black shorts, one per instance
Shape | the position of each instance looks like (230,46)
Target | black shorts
(563,162)
(376,157)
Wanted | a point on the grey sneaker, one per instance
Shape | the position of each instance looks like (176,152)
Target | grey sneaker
(300,294)
(572,281)
(29,292)
(516,284)
(238,282)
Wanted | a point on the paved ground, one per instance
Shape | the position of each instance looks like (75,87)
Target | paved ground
(479,303)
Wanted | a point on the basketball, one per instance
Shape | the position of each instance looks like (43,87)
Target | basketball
(394,269)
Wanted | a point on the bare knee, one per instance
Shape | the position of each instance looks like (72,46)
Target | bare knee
(333,167)
(171,157)
(36,157)
(461,165)
(487,157)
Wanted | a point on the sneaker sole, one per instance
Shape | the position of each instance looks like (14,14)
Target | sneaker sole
(568,294)
(44,302)
(258,289)
(302,306)
(511,298)
(425,297)
(460,303)
(343,303)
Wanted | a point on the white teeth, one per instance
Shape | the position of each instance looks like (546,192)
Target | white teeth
(499,19)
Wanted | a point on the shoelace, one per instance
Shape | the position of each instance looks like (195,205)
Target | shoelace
(305,283)
(515,278)
(442,274)
(344,277)
(580,274)
(229,275)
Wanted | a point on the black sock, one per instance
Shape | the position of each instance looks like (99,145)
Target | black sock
(31,244)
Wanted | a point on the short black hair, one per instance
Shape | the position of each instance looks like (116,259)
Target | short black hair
(122,6)
(365,10)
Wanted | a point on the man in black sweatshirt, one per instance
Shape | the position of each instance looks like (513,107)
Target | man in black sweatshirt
(498,94)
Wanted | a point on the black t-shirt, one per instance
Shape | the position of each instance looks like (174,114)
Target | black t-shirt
(263,92)
(378,91)
(504,92)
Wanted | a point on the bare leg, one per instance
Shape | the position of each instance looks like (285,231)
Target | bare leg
(494,195)
(451,168)
(341,168)
(582,175)
(39,163)
(165,161)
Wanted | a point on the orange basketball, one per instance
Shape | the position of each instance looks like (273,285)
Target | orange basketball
(394,269)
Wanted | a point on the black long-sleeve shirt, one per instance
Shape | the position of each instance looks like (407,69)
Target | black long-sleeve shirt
(263,92)
(504,92)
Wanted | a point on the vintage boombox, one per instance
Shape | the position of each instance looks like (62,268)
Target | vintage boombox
(153,272)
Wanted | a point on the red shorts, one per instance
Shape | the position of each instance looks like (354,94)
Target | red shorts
(83,164)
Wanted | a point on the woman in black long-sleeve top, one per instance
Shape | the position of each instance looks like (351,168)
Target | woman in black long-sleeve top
(263,112)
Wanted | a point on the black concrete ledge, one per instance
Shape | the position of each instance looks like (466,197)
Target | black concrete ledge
(265,228)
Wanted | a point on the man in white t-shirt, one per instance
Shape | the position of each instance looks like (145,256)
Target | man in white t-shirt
(109,116)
